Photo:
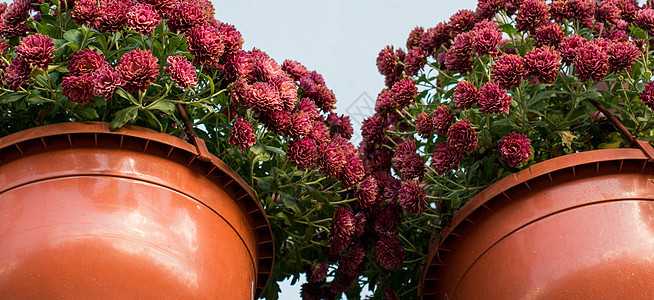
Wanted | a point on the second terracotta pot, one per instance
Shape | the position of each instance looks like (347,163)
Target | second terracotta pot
(579,226)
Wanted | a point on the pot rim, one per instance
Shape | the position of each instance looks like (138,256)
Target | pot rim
(491,193)
(241,192)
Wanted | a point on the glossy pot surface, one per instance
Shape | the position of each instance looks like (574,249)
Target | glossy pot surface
(132,214)
(579,226)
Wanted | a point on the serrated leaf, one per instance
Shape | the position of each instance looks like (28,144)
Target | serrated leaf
(123,116)
(164,106)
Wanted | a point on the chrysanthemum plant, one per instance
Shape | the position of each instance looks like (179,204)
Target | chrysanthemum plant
(140,62)
(487,93)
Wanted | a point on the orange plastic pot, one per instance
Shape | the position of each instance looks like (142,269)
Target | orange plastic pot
(90,213)
(580,226)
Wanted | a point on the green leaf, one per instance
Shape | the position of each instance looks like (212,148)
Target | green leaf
(275,150)
(35,100)
(152,120)
(13,97)
(289,202)
(164,106)
(125,94)
(123,116)
(73,35)
(87,113)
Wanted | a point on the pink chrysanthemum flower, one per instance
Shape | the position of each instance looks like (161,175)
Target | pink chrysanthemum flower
(548,35)
(138,68)
(301,124)
(415,61)
(442,119)
(433,39)
(302,153)
(17,73)
(463,20)
(86,62)
(309,107)
(231,38)
(263,97)
(331,159)
(465,94)
(570,46)
(389,254)
(445,158)
(242,135)
(37,50)
(493,100)
(386,61)
(278,121)
(414,37)
(320,133)
(412,198)
(367,193)
(85,11)
(295,69)
(77,88)
(508,70)
(239,65)
(206,43)
(142,18)
(531,15)
(462,136)
(591,62)
(184,16)
(403,92)
(266,68)
(424,124)
(486,40)
(181,71)
(113,15)
(105,81)
(353,170)
(622,56)
(543,63)
(341,229)
(647,95)
(514,149)
(388,220)
(645,18)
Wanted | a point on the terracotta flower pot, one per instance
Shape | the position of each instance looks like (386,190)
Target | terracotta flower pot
(573,227)
(88,213)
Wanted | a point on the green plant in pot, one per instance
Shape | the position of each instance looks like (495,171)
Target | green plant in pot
(171,67)
(487,94)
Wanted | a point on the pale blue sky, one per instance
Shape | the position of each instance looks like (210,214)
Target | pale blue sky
(339,39)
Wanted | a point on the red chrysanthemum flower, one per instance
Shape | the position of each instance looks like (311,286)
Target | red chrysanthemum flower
(389,254)
(412,198)
(266,68)
(142,18)
(287,90)
(387,221)
(309,107)
(300,124)
(647,95)
(543,63)
(340,125)
(17,13)
(622,56)
(360,226)
(232,38)
(85,11)
(206,43)
(184,16)
(412,167)
(105,81)
(349,263)
(508,70)
(17,73)
(466,94)
(615,35)
(415,61)
(569,48)
(463,20)
(302,153)
(386,61)
(433,39)
(181,71)
(424,124)
(514,148)
(295,69)
(279,121)
(367,193)
(485,40)
(37,50)
(319,274)
(414,37)
(608,13)
(113,15)
(324,98)
(531,15)
(442,119)
(341,283)
(242,135)
(77,88)
(591,62)
(445,158)
(493,100)
(353,170)
(391,189)
(138,68)
(320,132)
(331,159)
(384,103)
(373,130)
(341,229)
(86,62)
(548,35)
(486,9)
(389,293)
(645,18)
(458,57)
(239,65)
(462,137)
(403,92)
(263,97)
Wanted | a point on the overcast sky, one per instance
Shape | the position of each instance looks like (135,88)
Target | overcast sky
(339,39)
